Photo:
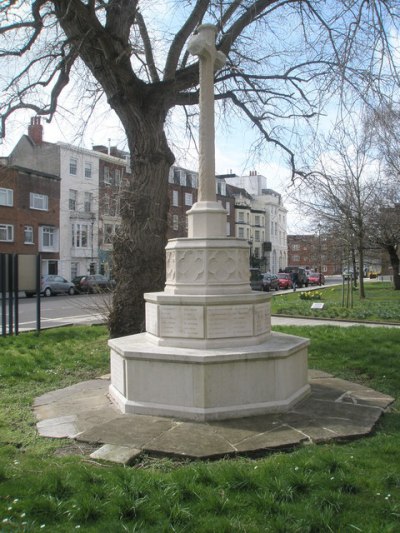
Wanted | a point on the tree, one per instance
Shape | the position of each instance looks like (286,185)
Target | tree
(384,226)
(340,189)
(277,74)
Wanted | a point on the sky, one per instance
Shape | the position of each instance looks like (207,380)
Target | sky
(233,148)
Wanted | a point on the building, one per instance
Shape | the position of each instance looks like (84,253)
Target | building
(182,191)
(29,214)
(261,218)
(85,224)
(318,252)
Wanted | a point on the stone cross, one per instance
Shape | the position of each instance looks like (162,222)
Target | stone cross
(202,44)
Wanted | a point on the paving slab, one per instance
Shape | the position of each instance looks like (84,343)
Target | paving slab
(116,454)
(336,409)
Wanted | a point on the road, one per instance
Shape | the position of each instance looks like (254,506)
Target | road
(79,309)
(62,310)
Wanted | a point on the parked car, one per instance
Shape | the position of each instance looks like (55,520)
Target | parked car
(93,283)
(348,274)
(285,281)
(52,284)
(256,279)
(315,278)
(302,279)
(270,282)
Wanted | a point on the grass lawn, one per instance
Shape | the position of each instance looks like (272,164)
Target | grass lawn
(338,487)
(382,303)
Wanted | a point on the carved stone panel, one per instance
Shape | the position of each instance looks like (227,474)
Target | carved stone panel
(190,266)
(221,266)
(224,321)
(181,321)
(151,318)
(262,318)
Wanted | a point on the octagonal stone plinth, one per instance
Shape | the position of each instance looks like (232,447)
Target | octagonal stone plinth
(208,385)
(207,266)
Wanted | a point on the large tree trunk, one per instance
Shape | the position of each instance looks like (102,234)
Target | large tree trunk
(139,246)
(395,264)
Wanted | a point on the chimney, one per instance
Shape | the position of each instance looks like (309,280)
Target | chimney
(35,130)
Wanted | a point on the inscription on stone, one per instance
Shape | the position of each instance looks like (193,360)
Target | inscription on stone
(224,321)
(151,318)
(117,372)
(181,321)
(261,318)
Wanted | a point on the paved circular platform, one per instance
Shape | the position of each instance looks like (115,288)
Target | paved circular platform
(335,410)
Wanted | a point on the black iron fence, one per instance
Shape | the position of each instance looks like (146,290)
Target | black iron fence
(13,279)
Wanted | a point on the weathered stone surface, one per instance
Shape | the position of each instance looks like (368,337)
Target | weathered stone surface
(336,409)
(116,454)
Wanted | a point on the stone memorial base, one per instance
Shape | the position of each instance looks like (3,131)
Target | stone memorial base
(208,352)
(209,384)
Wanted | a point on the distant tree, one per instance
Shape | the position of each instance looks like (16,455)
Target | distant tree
(284,59)
(384,226)
(340,189)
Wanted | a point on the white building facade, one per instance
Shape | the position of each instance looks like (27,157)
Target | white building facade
(261,219)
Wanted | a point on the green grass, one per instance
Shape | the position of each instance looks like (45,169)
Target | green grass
(382,304)
(345,487)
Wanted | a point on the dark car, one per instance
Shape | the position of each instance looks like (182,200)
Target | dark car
(285,281)
(302,279)
(91,283)
(256,279)
(52,284)
(315,278)
(270,282)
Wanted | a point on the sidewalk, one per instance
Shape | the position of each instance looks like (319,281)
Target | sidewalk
(277,320)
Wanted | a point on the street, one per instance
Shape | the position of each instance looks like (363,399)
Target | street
(82,309)
(62,310)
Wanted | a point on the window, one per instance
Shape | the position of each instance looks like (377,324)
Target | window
(117,206)
(241,216)
(107,176)
(188,198)
(74,270)
(6,197)
(295,247)
(177,176)
(220,187)
(106,205)
(88,170)
(72,199)
(80,235)
(28,235)
(175,198)
(117,177)
(257,235)
(109,232)
(87,206)
(296,258)
(228,207)
(241,233)
(175,222)
(38,201)
(189,182)
(73,166)
(228,229)
(257,220)
(48,240)
(6,232)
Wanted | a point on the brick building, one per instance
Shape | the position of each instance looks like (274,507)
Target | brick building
(182,192)
(318,252)
(29,214)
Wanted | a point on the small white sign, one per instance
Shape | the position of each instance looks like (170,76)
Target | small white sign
(317,305)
